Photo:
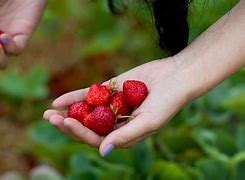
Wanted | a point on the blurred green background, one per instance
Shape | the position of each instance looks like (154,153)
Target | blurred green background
(80,42)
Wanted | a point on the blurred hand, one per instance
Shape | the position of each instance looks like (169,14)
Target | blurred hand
(18,20)
(167,94)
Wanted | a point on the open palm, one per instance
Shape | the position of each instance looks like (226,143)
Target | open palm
(18,20)
(167,94)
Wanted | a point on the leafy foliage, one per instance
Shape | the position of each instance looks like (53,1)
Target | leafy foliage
(204,141)
(31,86)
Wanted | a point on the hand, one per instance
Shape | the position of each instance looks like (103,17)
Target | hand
(18,20)
(167,94)
(214,56)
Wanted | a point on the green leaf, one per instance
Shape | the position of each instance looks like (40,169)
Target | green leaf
(177,139)
(212,169)
(80,163)
(208,142)
(237,166)
(240,137)
(110,174)
(51,145)
(226,142)
(81,176)
(240,171)
(44,133)
(104,42)
(13,85)
(167,170)
(194,119)
(32,85)
(36,81)
(236,100)
(142,158)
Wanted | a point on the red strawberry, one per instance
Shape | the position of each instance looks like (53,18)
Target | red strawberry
(101,120)
(108,87)
(79,111)
(134,92)
(1,32)
(98,95)
(118,104)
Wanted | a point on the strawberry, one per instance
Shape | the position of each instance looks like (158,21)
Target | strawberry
(79,110)
(118,104)
(1,32)
(98,95)
(101,120)
(134,92)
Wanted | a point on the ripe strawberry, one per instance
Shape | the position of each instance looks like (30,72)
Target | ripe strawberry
(98,95)
(118,104)
(79,111)
(134,92)
(101,120)
(1,32)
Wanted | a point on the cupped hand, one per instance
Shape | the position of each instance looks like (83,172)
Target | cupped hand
(167,94)
(18,20)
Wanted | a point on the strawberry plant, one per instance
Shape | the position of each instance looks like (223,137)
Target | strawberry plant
(81,42)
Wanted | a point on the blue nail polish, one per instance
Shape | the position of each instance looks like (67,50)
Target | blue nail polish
(5,41)
(108,149)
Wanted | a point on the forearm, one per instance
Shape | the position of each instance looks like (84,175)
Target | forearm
(216,54)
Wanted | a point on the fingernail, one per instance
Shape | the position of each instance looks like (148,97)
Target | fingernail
(108,149)
(5,41)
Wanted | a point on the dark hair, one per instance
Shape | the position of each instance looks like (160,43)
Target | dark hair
(170,21)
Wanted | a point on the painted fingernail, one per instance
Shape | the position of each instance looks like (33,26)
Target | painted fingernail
(108,149)
(5,41)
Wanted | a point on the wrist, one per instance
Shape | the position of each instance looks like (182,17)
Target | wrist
(201,74)
(180,80)
(215,55)
(192,78)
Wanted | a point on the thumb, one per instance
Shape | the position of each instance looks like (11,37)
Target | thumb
(135,130)
(13,46)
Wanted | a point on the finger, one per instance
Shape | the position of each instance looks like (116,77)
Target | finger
(69,98)
(82,133)
(122,137)
(21,41)
(133,143)
(9,45)
(138,140)
(118,125)
(58,121)
(50,112)
(3,58)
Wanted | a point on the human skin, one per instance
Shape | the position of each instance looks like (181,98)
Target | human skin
(18,20)
(173,82)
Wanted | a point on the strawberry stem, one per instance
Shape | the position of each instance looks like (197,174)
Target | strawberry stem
(123,117)
(114,110)
(113,85)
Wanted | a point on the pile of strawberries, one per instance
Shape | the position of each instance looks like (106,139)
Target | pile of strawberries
(104,105)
